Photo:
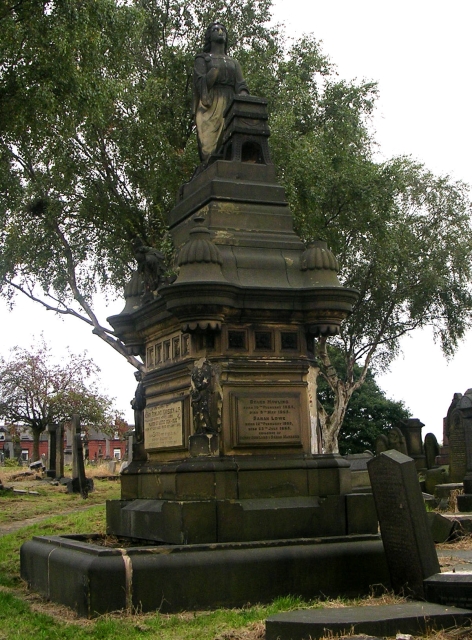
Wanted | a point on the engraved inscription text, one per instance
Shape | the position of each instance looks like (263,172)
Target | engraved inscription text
(163,426)
(267,419)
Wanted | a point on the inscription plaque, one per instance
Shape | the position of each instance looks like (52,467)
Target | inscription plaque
(163,425)
(266,419)
(457,448)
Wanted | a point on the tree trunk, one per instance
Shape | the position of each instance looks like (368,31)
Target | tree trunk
(37,431)
(332,425)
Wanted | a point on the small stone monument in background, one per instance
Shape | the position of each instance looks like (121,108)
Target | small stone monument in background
(457,421)
(79,483)
(411,430)
(408,543)
(460,443)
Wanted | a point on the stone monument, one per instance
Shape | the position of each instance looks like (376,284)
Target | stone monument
(456,422)
(226,441)
(411,430)
(460,448)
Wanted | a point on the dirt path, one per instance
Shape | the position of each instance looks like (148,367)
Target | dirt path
(11,527)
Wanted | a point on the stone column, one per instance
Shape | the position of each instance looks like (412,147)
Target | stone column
(52,450)
(60,450)
(75,432)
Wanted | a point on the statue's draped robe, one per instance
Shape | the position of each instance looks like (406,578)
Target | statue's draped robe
(229,82)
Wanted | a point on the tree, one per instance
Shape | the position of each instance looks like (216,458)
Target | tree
(36,391)
(96,135)
(403,238)
(368,414)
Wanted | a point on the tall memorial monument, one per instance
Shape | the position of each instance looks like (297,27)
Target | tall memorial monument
(229,478)
(230,381)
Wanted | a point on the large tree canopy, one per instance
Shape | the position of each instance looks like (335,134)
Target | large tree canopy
(96,136)
(36,390)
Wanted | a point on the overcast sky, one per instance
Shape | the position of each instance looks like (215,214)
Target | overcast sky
(419,52)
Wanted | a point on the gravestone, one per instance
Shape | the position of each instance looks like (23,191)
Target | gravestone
(431,450)
(460,442)
(455,431)
(79,483)
(408,543)
(396,440)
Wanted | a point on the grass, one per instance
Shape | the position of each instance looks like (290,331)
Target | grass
(24,614)
(16,507)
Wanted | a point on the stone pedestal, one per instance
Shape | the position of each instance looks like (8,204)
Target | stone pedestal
(203,444)
(411,430)
(230,381)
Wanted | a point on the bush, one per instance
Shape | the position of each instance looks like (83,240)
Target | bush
(10,462)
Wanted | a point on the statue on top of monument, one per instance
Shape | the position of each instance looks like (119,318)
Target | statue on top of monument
(217,78)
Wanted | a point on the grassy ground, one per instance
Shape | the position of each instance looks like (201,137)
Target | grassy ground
(55,499)
(24,615)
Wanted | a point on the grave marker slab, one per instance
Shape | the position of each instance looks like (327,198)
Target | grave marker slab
(409,547)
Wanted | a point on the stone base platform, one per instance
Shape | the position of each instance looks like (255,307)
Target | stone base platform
(94,579)
(408,618)
(450,588)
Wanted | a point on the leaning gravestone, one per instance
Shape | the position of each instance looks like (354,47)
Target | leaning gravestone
(408,543)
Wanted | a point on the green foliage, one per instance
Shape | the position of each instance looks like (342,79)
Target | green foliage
(96,131)
(96,136)
(10,462)
(369,412)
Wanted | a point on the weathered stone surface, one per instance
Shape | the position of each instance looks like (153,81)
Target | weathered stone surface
(441,527)
(431,450)
(95,579)
(410,617)
(436,476)
(406,534)
(411,430)
(450,588)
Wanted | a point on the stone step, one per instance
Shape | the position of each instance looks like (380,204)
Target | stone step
(383,620)
(450,588)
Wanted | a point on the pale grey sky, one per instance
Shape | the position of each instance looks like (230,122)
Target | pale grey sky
(420,53)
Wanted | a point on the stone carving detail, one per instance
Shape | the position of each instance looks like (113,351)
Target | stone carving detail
(202,398)
(396,440)
(318,256)
(216,79)
(151,268)
(138,404)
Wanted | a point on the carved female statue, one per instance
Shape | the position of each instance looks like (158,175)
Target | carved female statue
(216,79)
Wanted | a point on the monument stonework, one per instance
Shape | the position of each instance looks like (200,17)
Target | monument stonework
(227,449)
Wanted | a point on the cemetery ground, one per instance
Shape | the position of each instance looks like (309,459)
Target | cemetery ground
(24,614)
